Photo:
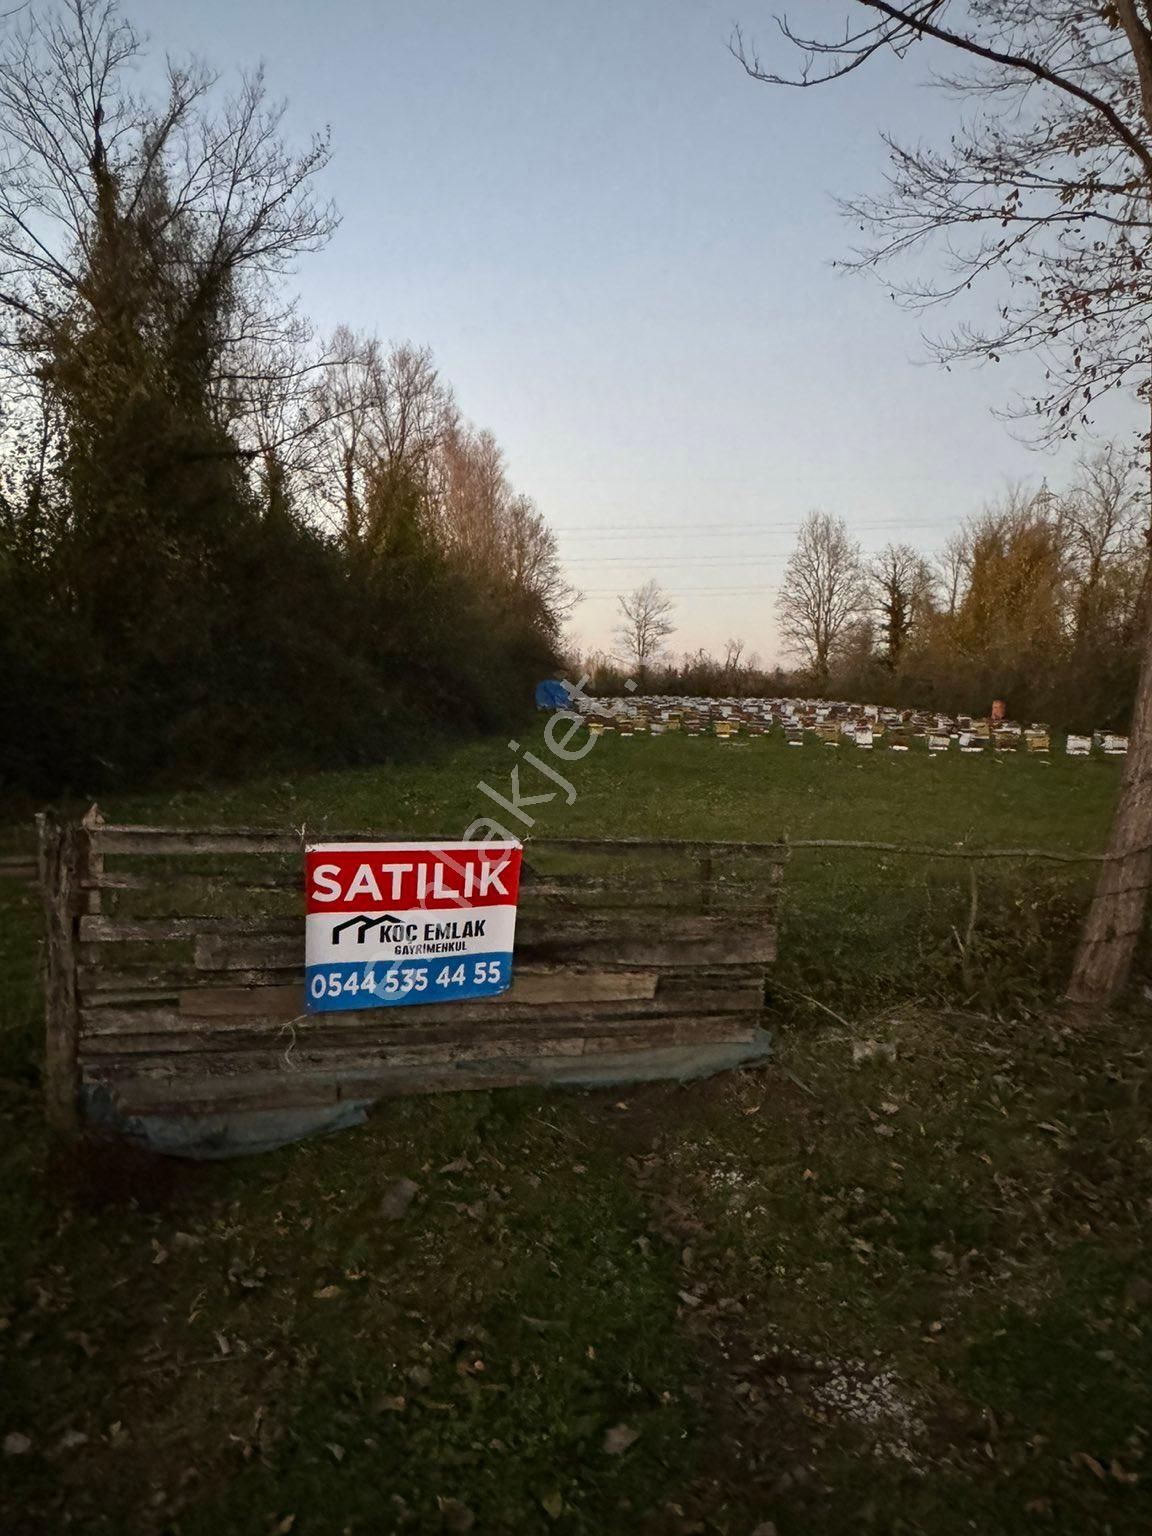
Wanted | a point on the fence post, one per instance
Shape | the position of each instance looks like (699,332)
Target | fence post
(92,871)
(62,849)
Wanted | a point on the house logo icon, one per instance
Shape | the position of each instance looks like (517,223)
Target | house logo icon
(362,925)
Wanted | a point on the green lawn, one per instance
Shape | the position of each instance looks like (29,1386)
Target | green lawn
(859,930)
(895,1282)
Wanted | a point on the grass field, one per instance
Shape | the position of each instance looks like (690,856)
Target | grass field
(897,1281)
(860,930)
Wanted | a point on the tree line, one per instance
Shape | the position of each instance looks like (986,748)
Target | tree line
(1038,600)
(225,542)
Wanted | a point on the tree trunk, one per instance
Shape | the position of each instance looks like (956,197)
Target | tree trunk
(1116,917)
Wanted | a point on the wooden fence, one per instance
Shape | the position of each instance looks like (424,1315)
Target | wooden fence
(175,971)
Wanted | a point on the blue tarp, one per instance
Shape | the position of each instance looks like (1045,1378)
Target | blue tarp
(237,1133)
(552,695)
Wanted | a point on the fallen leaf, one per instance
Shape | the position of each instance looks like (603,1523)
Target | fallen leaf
(873,1050)
(455,1516)
(388,1404)
(618,1439)
(457,1165)
(326,1292)
(1090,1464)
(553,1505)
(16,1444)
(396,1199)
(284,1526)
(337,1452)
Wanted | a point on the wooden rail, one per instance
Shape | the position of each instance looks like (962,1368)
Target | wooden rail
(175,969)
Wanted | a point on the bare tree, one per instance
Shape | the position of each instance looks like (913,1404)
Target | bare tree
(1103,515)
(1045,181)
(953,564)
(902,584)
(475,494)
(823,593)
(277,409)
(379,416)
(178,217)
(644,626)
(533,562)
(1048,182)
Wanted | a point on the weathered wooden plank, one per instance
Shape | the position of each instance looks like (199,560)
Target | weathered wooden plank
(729,941)
(186,895)
(62,862)
(108,1031)
(187,892)
(284,936)
(610,922)
(109,1069)
(115,930)
(90,896)
(544,984)
(276,1093)
(280,962)
(294,1057)
(147,842)
(150,1022)
(273,1002)
(743,901)
(94,1001)
(197,885)
(137,982)
(18,867)
(699,980)
(257,1091)
(542,987)
(218,952)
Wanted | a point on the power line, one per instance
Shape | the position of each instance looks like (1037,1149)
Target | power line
(763,591)
(692,560)
(726,530)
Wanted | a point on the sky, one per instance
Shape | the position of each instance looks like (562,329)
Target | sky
(619,249)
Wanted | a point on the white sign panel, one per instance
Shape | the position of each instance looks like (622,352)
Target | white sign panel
(400,923)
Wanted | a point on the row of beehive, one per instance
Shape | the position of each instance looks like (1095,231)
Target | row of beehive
(863,726)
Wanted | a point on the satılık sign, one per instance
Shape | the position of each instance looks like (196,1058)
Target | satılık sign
(402,923)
